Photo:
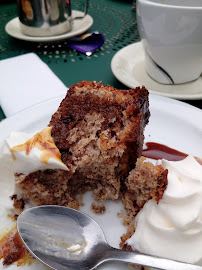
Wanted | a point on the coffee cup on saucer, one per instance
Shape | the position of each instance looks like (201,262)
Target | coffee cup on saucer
(41,18)
(170,31)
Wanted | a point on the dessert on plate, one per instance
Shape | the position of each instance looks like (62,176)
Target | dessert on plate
(92,143)
(173,227)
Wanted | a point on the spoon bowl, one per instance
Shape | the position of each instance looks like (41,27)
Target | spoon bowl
(66,239)
(61,237)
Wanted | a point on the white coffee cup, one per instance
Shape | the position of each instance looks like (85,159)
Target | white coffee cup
(171,33)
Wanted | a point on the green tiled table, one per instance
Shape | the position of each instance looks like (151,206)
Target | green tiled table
(113,18)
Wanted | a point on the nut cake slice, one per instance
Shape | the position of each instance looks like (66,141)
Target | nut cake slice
(98,131)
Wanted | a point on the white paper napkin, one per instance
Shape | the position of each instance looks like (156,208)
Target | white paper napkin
(25,81)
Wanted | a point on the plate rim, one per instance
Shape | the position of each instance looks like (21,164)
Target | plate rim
(50,38)
(115,58)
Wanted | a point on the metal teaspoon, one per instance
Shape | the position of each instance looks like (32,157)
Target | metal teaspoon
(66,239)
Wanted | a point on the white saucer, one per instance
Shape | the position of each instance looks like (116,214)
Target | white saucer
(79,27)
(128,67)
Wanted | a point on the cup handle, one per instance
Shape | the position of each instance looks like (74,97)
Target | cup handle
(85,11)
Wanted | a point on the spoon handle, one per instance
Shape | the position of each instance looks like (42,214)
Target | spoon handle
(149,261)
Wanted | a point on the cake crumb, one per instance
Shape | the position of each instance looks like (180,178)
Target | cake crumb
(136,267)
(128,234)
(18,204)
(98,208)
(120,214)
(80,200)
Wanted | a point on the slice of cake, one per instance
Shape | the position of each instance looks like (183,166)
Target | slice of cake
(97,133)
(146,182)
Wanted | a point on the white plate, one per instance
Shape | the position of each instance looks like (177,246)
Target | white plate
(79,26)
(128,67)
(173,123)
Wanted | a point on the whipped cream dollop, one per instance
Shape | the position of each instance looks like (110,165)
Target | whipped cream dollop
(173,228)
(33,152)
